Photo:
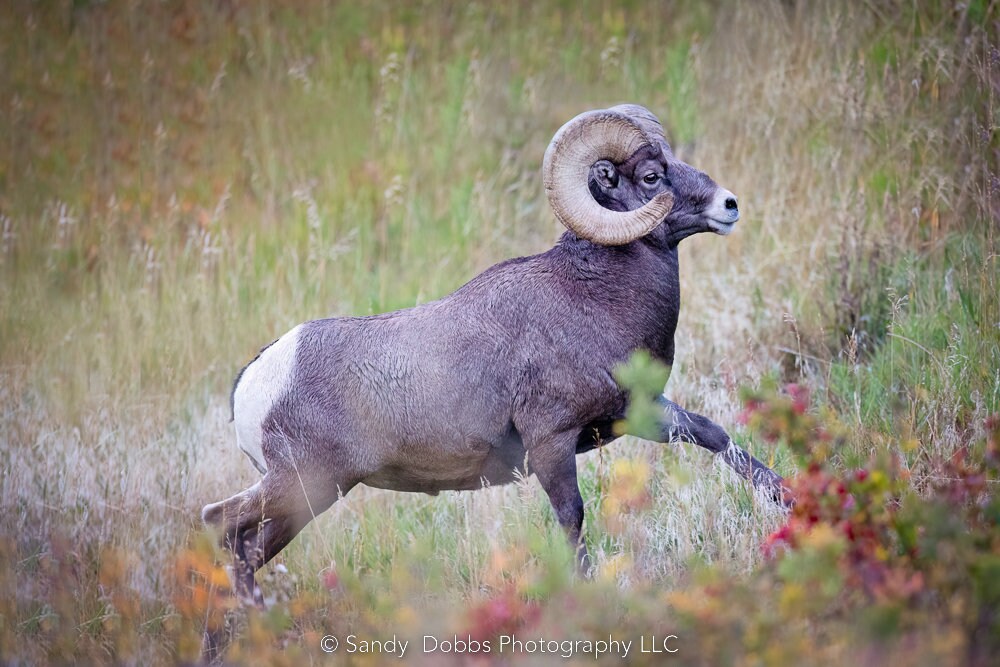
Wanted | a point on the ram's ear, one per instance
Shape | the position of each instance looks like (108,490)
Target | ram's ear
(606,174)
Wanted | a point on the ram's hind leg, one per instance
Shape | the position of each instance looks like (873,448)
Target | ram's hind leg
(259,522)
(235,517)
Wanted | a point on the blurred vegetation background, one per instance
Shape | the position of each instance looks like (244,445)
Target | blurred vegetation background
(182,182)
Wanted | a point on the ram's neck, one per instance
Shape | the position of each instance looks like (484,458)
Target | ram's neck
(636,284)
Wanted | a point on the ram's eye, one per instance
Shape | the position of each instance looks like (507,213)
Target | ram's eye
(651,178)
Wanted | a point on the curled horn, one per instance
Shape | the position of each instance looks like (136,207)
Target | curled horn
(606,134)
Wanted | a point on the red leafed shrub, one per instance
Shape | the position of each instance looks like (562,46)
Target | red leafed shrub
(506,613)
(872,536)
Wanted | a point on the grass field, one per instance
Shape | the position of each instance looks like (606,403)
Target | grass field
(180,183)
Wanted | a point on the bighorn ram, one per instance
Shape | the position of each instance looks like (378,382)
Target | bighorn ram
(511,373)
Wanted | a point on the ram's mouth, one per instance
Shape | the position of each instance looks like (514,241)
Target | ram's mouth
(725,226)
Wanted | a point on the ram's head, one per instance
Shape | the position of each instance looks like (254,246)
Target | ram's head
(611,178)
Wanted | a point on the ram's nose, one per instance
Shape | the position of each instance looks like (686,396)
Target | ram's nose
(727,209)
(723,212)
(724,209)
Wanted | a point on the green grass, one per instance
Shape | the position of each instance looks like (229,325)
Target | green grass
(936,371)
(181,184)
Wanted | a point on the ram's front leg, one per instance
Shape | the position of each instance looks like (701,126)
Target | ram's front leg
(553,460)
(680,424)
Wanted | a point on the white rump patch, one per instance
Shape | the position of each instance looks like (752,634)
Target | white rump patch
(263,382)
